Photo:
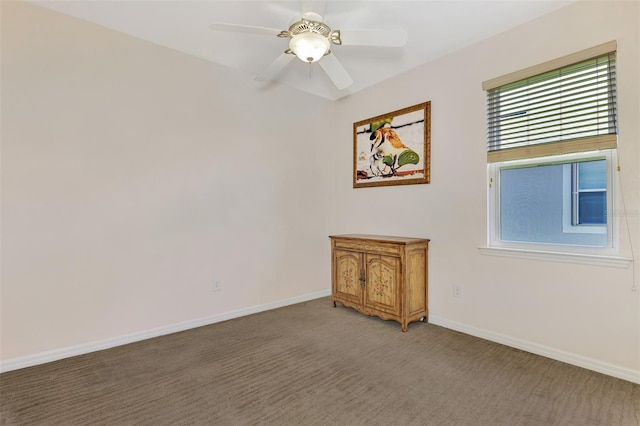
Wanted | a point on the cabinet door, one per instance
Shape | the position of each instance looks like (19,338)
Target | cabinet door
(383,277)
(347,282)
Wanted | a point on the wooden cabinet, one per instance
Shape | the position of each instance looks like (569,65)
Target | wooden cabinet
(381,276)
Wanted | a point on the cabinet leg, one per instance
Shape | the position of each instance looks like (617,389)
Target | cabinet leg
(333,303)
(404,327)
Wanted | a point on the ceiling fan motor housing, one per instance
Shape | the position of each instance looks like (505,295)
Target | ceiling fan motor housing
(310,38)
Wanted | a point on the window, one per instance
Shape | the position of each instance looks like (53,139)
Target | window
(551,139)
(589,193)
(534,203)
(585,196)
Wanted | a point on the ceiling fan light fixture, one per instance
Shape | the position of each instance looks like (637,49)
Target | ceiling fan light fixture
(309,46)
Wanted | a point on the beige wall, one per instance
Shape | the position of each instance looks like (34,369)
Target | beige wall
(133,176)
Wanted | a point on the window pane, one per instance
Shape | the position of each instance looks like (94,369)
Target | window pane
(531,207)
(592,208)
(592,175)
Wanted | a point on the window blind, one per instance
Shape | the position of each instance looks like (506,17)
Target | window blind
(568,109)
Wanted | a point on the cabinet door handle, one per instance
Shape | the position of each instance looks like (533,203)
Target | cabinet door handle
(362,279)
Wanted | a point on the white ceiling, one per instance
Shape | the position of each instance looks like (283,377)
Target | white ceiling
(434,28)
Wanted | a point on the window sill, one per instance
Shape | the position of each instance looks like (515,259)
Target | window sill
(589,259)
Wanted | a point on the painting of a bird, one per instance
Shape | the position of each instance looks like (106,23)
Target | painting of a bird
(389,153)
(393,149)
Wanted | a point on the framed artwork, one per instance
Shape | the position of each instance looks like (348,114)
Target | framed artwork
(393,149)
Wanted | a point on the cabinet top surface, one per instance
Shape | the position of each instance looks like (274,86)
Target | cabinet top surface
(380,238)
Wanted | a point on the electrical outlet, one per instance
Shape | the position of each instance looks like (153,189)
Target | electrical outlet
(457,291)
(217,285)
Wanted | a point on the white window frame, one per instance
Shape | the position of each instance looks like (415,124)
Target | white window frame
(493,226)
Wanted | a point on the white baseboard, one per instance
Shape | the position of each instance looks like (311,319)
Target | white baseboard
(58,354)
(546,351)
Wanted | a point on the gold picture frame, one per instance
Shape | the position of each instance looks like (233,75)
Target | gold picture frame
(394,148)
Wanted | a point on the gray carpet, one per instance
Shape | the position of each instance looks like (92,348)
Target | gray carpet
(311,364)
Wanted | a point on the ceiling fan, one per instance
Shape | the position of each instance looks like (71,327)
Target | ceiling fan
(311,39)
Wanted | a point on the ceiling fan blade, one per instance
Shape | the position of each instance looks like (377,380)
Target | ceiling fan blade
(275,67)
(390,38)
(336,71)
(221,26)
